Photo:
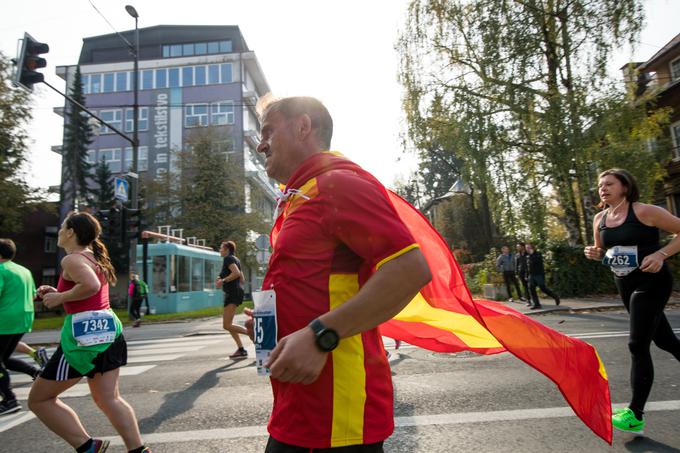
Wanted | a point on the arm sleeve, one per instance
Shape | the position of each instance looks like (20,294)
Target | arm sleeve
(362,217)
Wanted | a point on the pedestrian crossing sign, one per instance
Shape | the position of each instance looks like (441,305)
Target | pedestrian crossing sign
(120,189)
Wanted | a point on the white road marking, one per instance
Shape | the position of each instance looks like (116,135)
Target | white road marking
(124,371)
(154,358)
(400,422)
(12,420)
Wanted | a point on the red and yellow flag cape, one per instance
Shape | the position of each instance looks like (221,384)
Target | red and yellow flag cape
(443,317)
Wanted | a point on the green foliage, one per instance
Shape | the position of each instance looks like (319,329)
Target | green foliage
(206,197)
(501,93)
(77,138)
(16,197)
(458,222)
(104,196)
(571,274)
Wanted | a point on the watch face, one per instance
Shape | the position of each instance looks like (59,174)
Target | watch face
(328,340)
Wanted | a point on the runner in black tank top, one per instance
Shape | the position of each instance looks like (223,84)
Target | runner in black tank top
(627,240)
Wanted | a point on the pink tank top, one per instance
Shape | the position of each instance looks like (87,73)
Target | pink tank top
(98,301)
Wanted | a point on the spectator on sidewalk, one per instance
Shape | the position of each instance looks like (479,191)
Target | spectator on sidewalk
(537,277)
(505,263)
(522,271)
(135,300)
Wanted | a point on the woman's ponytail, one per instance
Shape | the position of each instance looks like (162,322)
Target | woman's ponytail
(101,255)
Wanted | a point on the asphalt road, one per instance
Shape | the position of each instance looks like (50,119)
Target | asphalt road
(190,397)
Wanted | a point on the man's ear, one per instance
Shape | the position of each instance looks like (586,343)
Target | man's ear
(304,127)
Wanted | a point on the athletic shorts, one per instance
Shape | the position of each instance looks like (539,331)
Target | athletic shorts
(234,297)
(274,446)
(58,368)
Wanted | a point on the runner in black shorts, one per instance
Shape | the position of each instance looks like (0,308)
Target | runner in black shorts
(231,280)
(627,240)
(91,343)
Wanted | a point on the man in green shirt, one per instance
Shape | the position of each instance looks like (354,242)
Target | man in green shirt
(17,291)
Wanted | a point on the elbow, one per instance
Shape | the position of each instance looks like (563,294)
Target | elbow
(91,289)
(422,275)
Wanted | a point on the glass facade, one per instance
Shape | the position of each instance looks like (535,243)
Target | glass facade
(199,48)
(150,79)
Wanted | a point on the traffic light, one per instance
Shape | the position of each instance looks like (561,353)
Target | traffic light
(104,218)
(132,224)
(116,228)
(28,61)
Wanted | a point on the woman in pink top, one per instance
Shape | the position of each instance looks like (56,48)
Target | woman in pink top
(91,344)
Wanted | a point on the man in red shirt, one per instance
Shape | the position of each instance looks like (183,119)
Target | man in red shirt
(342,263)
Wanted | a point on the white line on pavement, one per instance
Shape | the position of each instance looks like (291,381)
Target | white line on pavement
(10,421)
(400,422)
(124,371)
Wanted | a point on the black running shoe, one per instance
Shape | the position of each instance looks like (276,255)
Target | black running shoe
(9,407)
(240,353)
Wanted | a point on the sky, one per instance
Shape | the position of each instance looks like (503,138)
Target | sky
(341,51)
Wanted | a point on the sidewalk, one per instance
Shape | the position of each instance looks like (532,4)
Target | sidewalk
(588,303)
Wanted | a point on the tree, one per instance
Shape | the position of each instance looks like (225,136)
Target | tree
(522,78)
(104,192)
(212,197)
(77,137)
(16,197)
(206,197)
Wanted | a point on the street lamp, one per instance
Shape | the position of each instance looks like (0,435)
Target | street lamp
(134,182)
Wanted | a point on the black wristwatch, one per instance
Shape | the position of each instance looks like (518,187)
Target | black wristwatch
(326,339)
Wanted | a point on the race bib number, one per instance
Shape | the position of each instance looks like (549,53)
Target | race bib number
(264,328)
(93,327)
(621,259)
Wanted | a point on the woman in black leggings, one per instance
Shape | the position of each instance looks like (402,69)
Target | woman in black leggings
(627,241)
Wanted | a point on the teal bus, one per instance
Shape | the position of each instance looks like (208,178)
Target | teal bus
(180,278)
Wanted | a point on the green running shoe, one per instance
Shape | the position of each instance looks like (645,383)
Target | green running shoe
(625,420)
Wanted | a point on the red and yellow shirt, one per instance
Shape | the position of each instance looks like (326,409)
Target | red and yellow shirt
(335,231)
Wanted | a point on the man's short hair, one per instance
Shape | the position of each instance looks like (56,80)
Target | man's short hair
(294,106)
(7,249)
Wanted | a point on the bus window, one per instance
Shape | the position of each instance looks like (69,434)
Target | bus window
(158,274)
(183,274)
(196,274)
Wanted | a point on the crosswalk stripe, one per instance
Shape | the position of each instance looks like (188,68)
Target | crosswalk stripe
(124,371)
(399,422)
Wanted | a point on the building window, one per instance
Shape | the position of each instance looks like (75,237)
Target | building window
(675,134)
(213,74)
(225,46)
(187,50)
(221,113)
(196,115)
(111,157)
(225,70)
(675,69)
(95,83)
(113,117)
(213,47)
(173,77)
(161,78)
(121,81)
(176,50)
(142,123)
(108,82)
(223,147)
(142,158)
(166,51)
(201,48)
(85,80)
(199,74)
(147,79)
(187,76)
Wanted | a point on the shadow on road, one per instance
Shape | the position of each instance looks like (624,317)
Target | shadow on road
(179,402)
(645,444)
